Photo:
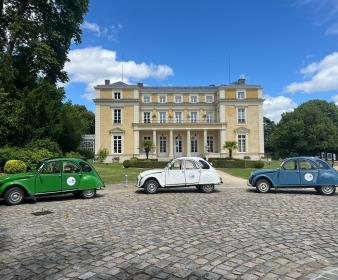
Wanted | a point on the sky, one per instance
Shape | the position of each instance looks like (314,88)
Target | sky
(289,47)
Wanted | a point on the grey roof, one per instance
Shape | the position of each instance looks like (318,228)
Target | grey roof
(117,84)
(180,89)
(240,85)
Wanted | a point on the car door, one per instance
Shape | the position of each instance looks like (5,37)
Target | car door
(288,174)
(308,173)
(49,178)
(175,174)
(192,172)
(71,175)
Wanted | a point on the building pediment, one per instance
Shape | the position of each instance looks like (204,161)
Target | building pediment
(242,130)
(116,130)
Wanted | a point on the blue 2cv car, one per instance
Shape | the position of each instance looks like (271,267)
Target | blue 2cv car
(299,172)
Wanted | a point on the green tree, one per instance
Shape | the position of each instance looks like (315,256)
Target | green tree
(102,154)
(269,127)
(230,145)
(305,131)
(88,116)
(147,145)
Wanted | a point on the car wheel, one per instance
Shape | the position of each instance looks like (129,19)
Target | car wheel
(327,190)
(14,196)
(198,187)
(263,186)
(87,194)
(207,188)
(151,187)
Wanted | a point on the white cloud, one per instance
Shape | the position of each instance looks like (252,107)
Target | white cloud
(93,65)
(323,76)
(333,30)
(92,27)
(335,99)
(274,106)
(309,56)
(109,33)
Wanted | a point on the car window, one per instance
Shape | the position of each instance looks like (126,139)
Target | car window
(52,168)
(290,165)
(204,164)
(178,164)
(70,167)
(307,165)
(189,164)
(322,165)
(85,167)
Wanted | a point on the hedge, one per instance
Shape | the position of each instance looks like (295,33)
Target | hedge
(15,166)
(237,164)
(153,159)
(144,164)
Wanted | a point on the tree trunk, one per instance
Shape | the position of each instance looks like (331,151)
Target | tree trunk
(12,39)
(147,153)
(1,8)
(230,153)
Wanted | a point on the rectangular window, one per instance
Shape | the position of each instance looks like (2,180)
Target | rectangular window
(178,117)
(117,144)
(193,117)
(210,144)
(209,99)
(146,99)
(117,116)
(241,115)
(146,117)
(162,99)
(193,99)
(178,99)
(240,95)
(163,117)
(117,95)
(209,117)
(242,143)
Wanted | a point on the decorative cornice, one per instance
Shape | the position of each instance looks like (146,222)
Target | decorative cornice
(116,100)
(242,129)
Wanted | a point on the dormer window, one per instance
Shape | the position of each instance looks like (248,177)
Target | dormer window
(117,95)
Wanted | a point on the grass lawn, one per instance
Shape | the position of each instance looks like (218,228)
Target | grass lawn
(114,173)
(245,173)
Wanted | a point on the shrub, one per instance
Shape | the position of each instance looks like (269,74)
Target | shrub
(15,166)
(73,154)
(228,164)
(87,154)
(126,163)
(144,159)
(247,157)
(259,164)
(116,158)
(47,144)
(102,154)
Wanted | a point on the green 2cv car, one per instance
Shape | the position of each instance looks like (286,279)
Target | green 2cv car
(52,176)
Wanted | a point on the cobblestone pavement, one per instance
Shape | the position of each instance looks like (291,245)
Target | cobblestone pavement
(234,233)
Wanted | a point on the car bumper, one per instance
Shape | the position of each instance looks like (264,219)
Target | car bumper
(248,183)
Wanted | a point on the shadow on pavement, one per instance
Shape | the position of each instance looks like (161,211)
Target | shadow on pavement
(288,191)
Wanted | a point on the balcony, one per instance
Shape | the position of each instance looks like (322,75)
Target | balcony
(179,121)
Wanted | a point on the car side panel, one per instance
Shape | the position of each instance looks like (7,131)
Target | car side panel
(23,183)
(208,177)
(270,176)
(327,178)
(89,181)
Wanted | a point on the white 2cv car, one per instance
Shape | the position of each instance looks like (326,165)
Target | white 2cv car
(181,172)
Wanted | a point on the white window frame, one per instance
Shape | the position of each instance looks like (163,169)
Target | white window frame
(120,92)
(212,139)
(175,116)
(159,116)
(193,96)
(240,90)
(146,95)
(149,117)
(246,143)
(190,113)
(162,95)
(245,116)
(113,116)
(178,95)
(207,120)
(206,98)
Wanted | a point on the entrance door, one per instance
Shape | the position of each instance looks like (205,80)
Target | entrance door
(71,176)
(175,174)
(194,146)
(49,180)
(163,146)
(192,172)
(178,146)
(289,174)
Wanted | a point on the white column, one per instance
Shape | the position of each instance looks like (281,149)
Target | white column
(205,140)
(136,141)
(171,144)
(222,140)
(97,128)
(188,144)
(154,141)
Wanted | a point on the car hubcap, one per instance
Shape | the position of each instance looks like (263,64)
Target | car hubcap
(263,187)
(327,189)
(151,187)
(88,193)
(15,196)
(208,188)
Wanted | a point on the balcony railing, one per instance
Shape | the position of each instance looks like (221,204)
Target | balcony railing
(180,121)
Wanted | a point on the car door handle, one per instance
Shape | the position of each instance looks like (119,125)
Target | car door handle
(297,171)
(80,174)
(59,176)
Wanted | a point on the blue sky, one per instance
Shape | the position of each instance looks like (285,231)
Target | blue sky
(289,47)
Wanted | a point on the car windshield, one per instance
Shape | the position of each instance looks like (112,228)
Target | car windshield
(280,166)
(39,165)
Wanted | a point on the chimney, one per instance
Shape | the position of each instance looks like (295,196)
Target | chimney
(212,85)
(106,82)
(242,81)
(140,84)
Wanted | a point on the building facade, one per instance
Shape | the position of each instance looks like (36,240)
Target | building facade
(181,121)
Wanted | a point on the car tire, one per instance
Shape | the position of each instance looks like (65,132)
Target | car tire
(88,194)
(327,190)
(263,186)
(14,196)
(207,188)
(151,187)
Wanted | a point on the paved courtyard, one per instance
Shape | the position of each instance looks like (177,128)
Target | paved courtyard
(234,233)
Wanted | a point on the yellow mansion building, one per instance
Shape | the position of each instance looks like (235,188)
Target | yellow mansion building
(181,121)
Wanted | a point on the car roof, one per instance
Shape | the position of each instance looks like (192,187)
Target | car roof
(313,158)
(64,158)
(194,158)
